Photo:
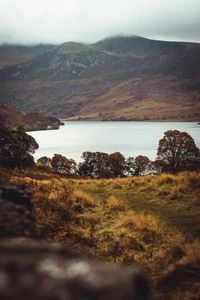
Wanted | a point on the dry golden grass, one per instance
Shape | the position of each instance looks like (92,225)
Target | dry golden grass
(150,220)
(115,204)
(180,279)
(192,253)
(83,198)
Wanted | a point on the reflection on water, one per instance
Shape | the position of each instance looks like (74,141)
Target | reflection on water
(129,138)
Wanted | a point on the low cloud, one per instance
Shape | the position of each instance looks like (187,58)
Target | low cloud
(59,21)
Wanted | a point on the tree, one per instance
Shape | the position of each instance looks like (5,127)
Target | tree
(100,167)
(116,164)
(44,164)
(16,148)
(178,152)
(26,140)
(61,164)
(158,166)
(45,160)
(142,165)
(130,166)
(86,168)
(94,164)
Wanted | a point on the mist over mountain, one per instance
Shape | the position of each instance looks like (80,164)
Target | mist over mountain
(118,78)
(41,21)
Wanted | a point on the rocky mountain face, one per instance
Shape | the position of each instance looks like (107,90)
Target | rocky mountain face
(120,78)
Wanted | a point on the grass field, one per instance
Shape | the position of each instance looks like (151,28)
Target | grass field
(152,221)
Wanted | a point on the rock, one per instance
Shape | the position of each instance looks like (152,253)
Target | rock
(16,219)
(36,271)
(3,178)
(17,194)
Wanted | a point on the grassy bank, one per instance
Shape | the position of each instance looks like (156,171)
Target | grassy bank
(149,220)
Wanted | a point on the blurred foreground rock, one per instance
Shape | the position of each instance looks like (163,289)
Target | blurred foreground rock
(33,270)
(16,219)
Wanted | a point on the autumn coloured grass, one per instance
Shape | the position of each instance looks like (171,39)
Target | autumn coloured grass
(149,220)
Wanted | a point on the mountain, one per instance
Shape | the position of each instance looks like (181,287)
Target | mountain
(29,121)
(118,78)
(14,54)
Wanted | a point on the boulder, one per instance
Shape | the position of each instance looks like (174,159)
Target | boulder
(36,271)
(16,219)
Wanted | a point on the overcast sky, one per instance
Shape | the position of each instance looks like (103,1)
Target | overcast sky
(59,21)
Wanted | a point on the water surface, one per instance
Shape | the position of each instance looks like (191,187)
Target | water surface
(129,138)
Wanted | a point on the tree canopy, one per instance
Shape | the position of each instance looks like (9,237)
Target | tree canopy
(142,165)
(61,164)
(177,151)
(95,164)
(102,165)
(58,164)
(16,148)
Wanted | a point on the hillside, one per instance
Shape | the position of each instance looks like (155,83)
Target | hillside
(30,121)
(120,78)
(15,54)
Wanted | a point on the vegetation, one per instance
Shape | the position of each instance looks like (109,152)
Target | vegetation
(177,152)
(149,220)
(57,164)
(40,126)
(99,165)
(142,165)
(16,148)
(102,165)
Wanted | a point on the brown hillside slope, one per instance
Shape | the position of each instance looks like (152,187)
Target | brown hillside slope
(14,118)
(15,54)
(122,78)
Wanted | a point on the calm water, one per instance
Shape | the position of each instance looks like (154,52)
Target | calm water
(129,138)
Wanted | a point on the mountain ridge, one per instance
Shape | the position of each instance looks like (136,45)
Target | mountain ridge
(79,81)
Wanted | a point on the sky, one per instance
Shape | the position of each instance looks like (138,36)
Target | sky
(88,21)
